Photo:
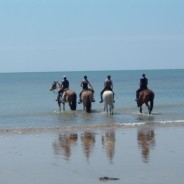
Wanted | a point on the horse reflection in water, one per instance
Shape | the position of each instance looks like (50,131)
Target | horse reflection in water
(64,143)
(146,141)
(108,141)
(88,142)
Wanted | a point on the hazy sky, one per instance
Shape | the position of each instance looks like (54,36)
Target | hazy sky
(70,35)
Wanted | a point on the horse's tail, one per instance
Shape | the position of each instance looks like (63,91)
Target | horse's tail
(88,103)
(152,95)
(74,102)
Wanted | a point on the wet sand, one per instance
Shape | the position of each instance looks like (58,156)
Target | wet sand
(138,155)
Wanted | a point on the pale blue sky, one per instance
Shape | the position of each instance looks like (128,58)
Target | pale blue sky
(74,35)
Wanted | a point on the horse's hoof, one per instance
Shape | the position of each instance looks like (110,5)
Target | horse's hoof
(79,102)
(101,101)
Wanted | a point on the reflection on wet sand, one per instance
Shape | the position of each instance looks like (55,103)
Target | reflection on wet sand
(146,141)
(108,141)
(88,142)
(64,143)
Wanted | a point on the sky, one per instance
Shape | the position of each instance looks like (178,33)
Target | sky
(90,35)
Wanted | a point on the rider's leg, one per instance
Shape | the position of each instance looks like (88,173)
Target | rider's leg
(80,98)
(113,97)
(137,95)
(59,94)
(101,96)
(93,97)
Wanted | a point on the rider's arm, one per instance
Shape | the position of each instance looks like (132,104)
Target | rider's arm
(90,85)
(81,84)
(111,84)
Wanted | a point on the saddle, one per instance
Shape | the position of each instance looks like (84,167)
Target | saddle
(65,89)
(89,89)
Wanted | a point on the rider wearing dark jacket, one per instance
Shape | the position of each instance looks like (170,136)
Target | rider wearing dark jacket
(108,85)
(64,85)
(143,85)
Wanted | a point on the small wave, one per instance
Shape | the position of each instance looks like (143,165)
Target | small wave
(166,123)
(171,122)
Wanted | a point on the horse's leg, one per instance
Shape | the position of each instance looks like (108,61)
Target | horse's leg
(148,107)
(111,110)
(140,109)
(63,106)
(105,107)
(59,104)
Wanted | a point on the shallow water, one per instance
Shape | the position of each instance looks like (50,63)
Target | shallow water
(27,103)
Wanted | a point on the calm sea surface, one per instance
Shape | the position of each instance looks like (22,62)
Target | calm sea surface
(27,103)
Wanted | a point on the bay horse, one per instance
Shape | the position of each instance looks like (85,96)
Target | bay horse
(146,97)
(69,96)
(87,99)
(108,101)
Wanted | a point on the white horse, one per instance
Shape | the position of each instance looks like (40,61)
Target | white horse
(108,101)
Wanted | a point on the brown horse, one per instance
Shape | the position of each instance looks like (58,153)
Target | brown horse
(69,96)
(146,97)
(87,99)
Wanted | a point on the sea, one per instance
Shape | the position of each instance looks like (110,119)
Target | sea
(26,103)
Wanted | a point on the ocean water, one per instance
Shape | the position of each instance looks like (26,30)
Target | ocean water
(27,103)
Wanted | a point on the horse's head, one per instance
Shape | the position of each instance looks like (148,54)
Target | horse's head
(53,86)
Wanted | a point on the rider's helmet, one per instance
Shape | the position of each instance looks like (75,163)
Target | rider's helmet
(85,77)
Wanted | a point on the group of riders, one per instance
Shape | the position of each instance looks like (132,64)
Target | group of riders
(108,85)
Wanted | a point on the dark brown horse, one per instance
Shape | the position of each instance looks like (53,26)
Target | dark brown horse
(87,99)
(69,96)
(146,97)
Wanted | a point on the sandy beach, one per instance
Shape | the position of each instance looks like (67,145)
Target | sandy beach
(137,155)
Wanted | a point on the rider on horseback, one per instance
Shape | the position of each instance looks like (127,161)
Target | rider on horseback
(84,84)
(143,85)
(64,85)
(108,85)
